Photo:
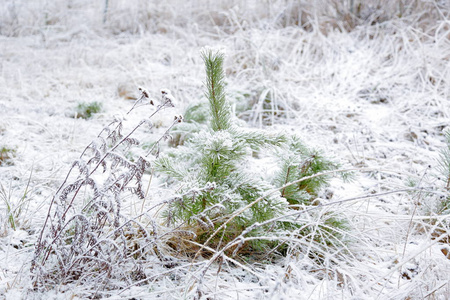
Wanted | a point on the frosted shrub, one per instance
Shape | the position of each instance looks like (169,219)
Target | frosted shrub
(89,236)
(261,211)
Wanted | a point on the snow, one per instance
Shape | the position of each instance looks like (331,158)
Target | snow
(375,98)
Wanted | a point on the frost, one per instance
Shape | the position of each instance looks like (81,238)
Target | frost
(371,89)
(219,142)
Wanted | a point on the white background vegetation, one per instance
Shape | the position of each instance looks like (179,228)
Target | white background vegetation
(368,82)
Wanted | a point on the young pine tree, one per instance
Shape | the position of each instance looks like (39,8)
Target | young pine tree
(219,155)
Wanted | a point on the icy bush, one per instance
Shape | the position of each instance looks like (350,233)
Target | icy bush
(259,209)
(89,235)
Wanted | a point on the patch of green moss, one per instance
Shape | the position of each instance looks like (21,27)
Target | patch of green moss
(86,110)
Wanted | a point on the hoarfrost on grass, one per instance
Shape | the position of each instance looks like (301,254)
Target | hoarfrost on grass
(375,96)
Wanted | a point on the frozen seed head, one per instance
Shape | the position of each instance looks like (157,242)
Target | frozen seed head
(167,98)
(144,92)
(178,118)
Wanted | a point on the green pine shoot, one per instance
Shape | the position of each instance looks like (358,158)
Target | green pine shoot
(215,90)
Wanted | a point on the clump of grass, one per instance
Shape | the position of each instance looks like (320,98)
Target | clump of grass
(15,207)
(434,200)
(444,171)
(6,155)
(85,110)
(444,161)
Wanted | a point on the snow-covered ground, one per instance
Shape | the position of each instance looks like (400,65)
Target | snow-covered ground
(376,97)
